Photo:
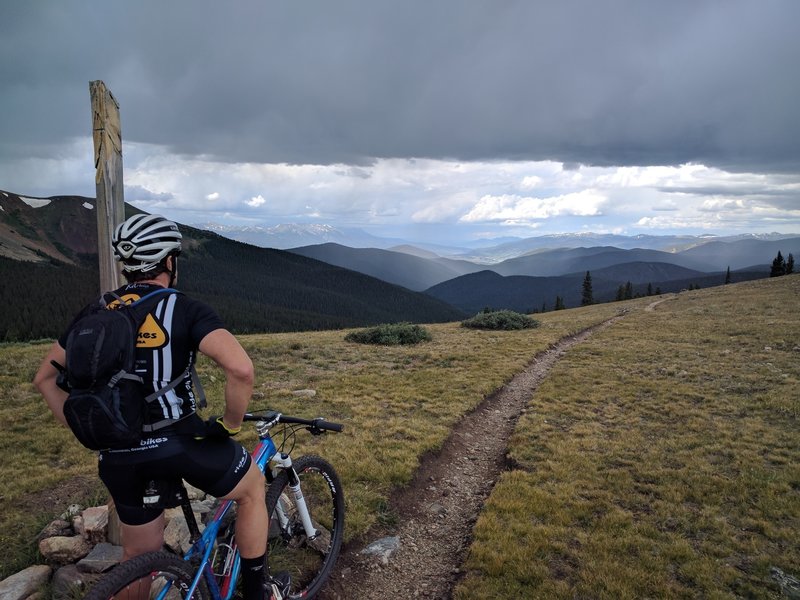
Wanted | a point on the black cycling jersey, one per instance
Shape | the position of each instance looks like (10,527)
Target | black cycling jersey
(166,346)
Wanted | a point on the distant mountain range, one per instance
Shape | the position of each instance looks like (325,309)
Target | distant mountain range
(664,243)
(483,251)
(48,263)
(331,284)
(422,270)
(532,282)
(292,235)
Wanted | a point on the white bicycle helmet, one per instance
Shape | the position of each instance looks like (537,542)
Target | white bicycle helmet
(143,241)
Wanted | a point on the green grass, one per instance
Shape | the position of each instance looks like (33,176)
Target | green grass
(661,458)
(397,403)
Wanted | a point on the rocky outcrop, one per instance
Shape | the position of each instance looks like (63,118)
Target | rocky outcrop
(82,544)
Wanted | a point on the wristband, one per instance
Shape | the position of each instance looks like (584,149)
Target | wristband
(231,430)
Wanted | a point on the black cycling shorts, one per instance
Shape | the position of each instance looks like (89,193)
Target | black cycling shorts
(215,466)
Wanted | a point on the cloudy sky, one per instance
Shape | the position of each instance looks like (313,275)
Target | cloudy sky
(435,120)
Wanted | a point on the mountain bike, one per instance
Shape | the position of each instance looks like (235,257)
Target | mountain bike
(306,507)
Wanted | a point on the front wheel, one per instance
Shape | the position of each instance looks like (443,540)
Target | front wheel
(151,575)
(309,561)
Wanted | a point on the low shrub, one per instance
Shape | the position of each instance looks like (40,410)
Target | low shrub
(390,335)
(500,319)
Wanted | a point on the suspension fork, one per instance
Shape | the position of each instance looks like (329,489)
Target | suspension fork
(284,461)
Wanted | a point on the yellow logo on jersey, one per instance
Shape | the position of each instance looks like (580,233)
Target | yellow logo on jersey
(151,335)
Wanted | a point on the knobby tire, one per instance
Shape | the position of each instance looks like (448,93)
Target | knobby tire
(309,563)
(144,575)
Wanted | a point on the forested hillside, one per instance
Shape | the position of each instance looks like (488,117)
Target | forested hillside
(38,299)
(254,289)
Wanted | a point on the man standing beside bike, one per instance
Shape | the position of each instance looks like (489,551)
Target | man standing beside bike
(200,452)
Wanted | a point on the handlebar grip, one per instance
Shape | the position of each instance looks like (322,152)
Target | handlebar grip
(327,425)
(319,423)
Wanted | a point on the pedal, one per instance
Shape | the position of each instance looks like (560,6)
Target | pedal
(276,593)
(279,585)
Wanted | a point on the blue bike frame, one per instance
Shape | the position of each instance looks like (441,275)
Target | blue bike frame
(205,544)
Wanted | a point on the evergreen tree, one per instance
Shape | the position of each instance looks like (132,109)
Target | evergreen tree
(779,266)
(587,298)
(628,290)
(649,289)
(728,276)
(620,293)
(789,268)
(559,303)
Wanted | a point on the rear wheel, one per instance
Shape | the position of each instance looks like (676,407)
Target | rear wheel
(309,561)
(147,576)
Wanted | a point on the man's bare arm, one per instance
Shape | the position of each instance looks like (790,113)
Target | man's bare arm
(224,349)
(45,381)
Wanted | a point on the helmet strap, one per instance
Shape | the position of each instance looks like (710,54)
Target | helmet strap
(173,273)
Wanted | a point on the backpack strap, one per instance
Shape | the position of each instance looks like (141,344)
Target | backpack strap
(116,297)
(142,306)
(123,375)
(156,293)
(199,393)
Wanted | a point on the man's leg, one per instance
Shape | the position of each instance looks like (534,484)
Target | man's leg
(138,539)
(252,520)
(252,524)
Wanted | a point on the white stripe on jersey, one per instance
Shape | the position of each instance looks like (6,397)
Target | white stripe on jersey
(162,361)
(172,398)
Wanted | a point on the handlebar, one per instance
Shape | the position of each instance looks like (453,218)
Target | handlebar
(316,425)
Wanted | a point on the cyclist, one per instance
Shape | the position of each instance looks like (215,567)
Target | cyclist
(200,452)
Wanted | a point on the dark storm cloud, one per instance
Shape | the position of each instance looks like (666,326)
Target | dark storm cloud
(589,82)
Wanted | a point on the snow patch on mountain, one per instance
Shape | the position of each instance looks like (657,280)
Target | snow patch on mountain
(35,202)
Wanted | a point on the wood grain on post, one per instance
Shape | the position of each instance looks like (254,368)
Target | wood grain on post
(110,203)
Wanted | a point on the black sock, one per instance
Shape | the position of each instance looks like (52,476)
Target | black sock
(253,578)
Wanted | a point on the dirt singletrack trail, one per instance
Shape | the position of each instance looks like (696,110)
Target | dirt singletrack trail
(438,509)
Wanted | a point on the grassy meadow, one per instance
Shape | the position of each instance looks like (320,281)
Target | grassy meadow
(396,402)
(660,459)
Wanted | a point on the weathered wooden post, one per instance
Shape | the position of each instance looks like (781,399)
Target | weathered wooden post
(110,203)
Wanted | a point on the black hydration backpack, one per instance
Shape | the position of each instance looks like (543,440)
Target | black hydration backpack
(107,404)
